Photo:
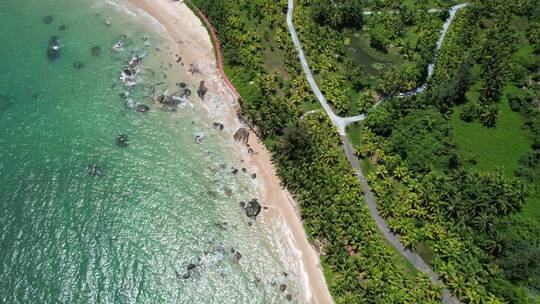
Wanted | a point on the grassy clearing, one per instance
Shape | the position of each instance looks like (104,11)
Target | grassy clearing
(425,252)
(411,37)
(354,133)
(499,147)
(352,94)
(273,56)
(239,79)
(360,50)
(310,106)
(531,210)
(404,264)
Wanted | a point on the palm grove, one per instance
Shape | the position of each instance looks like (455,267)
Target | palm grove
(463,221)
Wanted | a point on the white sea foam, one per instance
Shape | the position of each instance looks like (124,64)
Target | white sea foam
(154,22)
(122,7)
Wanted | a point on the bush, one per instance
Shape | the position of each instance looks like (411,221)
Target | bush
(470,112)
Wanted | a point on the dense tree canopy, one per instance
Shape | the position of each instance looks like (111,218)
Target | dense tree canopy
(464,222)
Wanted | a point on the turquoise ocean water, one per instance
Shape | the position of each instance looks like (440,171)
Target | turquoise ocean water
(158,221)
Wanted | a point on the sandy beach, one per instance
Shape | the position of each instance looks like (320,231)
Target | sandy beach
(194,46)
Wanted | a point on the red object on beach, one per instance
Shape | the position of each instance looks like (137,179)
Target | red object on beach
(218,54)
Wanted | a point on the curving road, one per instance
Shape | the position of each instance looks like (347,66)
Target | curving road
(431,67)
(393,239)
(341,123)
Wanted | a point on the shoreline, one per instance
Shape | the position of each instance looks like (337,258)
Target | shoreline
(194,45)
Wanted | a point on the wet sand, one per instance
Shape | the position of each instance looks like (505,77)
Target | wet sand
(194,46)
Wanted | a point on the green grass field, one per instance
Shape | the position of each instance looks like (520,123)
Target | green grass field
(354,133)
(499,147)
(360,50)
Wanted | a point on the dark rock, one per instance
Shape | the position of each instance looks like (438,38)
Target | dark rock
(199,139)
(96,51)
(118,47)
(289,297)
(218,126)
(244,170)
(134,64)
(234,171)
(53,52)
(124,94)
(187,92)
(252,208)
(285,274)
(128,72)
(143,108)
(122,140)
(241,135)
(254,176)
(160,98)
(202,90)
(237,256)
(282,287)
(62,27)
(250,151)
(95,170)
(170,101)
(181,84)
(178,59)
(78,65)
(191,266)
(48,19)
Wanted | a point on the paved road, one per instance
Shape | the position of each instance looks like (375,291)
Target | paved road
(341,123)
(431,67)
(411,256)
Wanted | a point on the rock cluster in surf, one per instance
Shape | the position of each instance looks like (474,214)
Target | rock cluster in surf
(53,51)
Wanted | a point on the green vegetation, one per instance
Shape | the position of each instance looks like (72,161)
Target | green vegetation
(438,157)
(372,61)
(434,160)
(488,148)
(308,155)
(395,43)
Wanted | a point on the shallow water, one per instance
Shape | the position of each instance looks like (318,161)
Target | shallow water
(127,234)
